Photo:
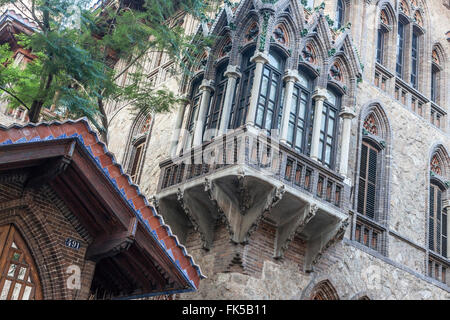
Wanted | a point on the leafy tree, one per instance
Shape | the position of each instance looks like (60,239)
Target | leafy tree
(77,47)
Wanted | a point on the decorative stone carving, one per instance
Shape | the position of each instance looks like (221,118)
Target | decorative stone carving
(287,232)
(370,125)
(252,33)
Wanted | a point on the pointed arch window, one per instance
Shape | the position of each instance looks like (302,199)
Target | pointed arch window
(372,195)
(137,142)
(324,290)
(438,224)
(436,75)
(18,274)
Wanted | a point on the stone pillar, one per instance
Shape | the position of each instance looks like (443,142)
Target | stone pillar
(206,88)
(232,75)
(319,97)
(177,129)
(290,78)
(347,115)
(259,59)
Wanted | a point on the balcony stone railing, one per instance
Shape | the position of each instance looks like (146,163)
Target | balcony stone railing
(257,151)
(246,176)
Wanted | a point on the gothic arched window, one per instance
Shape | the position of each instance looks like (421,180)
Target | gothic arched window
(324,290)
(382,38)
(372,196)
(437,65)
(136,146)
(438,223)
(18,274)
(270,92)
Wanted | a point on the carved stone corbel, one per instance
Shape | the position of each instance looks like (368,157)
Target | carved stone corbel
(318,245)
(200,217)
(241,220)
(286,233)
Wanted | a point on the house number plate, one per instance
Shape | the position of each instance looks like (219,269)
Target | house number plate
(73,244)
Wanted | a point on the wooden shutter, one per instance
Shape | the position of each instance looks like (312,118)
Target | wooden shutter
(368,180)
(431,220)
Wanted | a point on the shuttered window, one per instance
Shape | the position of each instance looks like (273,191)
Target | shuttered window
(367,180)
(437,232)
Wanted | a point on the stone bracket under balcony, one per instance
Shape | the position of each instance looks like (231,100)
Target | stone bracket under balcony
(321,240)
(244,206)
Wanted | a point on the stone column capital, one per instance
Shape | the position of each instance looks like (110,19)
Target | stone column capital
(207,85)
(446,204)
(232,72)
(320,94)
(260,57)
(347,113)
(291,75)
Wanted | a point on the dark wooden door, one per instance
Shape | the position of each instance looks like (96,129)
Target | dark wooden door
(18,275)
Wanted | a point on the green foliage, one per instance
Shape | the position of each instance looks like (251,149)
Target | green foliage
(74,66)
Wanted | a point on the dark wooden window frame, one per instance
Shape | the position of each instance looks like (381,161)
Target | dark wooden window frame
(241,100)
(195,105)
(294,117)
(272,74)
(214,114)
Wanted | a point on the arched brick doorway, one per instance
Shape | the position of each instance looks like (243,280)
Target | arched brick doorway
(18,274)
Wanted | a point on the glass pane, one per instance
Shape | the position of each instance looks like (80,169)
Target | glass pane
(22,273)
(16,291)
(5,290)
(16,256)
(303,80)
(12,269)
(331,97)
(26,293)
(264,86)
(14,245)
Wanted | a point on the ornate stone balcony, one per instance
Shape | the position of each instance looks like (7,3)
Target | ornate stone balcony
(245,176)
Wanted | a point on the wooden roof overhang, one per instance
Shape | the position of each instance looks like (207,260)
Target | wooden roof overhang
(136,253)
(12,24)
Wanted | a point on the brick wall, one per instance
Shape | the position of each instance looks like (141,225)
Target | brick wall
(45,224)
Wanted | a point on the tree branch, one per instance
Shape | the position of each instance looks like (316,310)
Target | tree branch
(15,97)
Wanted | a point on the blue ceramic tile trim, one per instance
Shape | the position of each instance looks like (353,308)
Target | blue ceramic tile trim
(121,191)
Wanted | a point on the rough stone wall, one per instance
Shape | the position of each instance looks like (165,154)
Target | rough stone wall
(348,265)
(42,220)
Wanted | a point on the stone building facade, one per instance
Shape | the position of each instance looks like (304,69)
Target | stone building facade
(381,68)
(311,159)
